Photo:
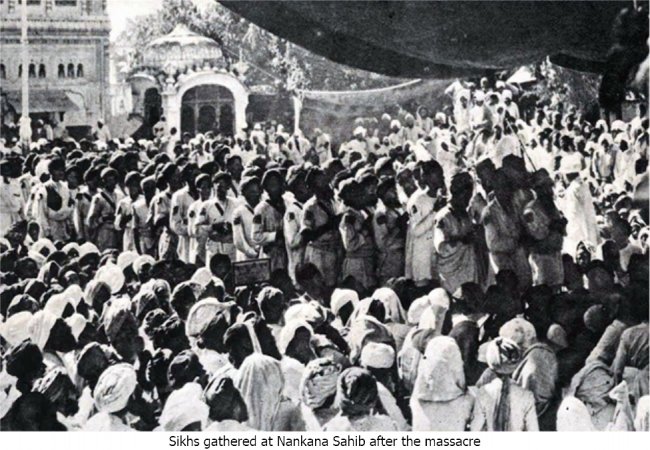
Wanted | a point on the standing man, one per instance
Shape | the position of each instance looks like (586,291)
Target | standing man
(125,216)
(268,220)
(243,220)
(82,204)
(356,235)
(101,215)
(54,205)
(297,186)
(181,201)
(454,237)
(215,221)
(389,225)
(319,228)
(503,232)
(422,206)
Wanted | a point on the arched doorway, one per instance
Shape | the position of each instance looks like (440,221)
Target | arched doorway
(202,109)
(152,107)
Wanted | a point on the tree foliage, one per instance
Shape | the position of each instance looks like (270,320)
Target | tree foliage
(261,57)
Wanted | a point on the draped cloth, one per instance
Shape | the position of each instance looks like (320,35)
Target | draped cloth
(412,39)
(261,383)
(573,415)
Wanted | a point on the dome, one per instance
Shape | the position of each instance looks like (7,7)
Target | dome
(182,48)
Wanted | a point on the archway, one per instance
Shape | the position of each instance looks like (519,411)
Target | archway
(152,107)
(225,94)
(204,101)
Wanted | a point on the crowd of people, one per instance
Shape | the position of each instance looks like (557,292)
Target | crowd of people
(471,271)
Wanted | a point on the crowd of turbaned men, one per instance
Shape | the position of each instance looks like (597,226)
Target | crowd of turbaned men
(462,271)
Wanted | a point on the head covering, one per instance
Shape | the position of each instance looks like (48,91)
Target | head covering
(557,336)
(125,259)
(356,393)
(573,415)
(55,385)
(114,388)
(201,314)
(15,328)
(503,355)
(40,327)
(24,359)
(417,308)
(184,407)
(520,331)
(140,262)
(260,382)
(377,356)
(77,323)
(394,309)
(319,381)
(289,331)
(433,317)
(224,400)
(184,368)
(87,248)
(592,384)
(118,315)
(342,297)
(441,376)
(112,275)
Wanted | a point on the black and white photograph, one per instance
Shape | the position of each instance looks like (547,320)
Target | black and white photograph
(323,216)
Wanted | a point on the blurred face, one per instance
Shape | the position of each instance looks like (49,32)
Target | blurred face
(205,190)
(252,194)
(235,168)
(110,182)
(222,188)
(390,197)
(407,181)
(175,181)
(274,188)
(134,190)
(73,180)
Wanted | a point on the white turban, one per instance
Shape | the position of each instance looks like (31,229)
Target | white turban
(114,388)
(77,323)
(341,297)
(125,259)
(40,327)
(202,313)
(416,310)
(16,328)
(88,248)
(112,275)
(184,407)
(377,356)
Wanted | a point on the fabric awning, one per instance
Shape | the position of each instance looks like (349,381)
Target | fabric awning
(442,39)
(43,101)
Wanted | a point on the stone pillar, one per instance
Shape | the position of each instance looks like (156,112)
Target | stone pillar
(171,104)
(241,103)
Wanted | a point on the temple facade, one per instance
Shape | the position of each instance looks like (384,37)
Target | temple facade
(184,77)
(68,61)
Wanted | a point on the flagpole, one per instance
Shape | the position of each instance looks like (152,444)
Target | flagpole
(25,125)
